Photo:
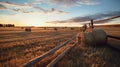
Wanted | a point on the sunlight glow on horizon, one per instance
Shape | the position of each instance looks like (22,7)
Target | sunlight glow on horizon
(39,12)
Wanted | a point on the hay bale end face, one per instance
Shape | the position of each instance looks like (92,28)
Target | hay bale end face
(94,37)
(100,36)
(88,38)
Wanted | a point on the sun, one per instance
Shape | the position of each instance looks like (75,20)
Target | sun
(35,24)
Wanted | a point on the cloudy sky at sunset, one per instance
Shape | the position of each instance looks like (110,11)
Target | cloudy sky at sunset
(58,12)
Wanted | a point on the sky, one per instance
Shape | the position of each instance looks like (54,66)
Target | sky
(58,12)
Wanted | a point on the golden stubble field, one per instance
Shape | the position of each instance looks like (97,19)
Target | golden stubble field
(94,56)
(18,47)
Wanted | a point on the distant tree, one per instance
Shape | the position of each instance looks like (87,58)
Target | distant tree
(22,27)
(1,25)
(9,25)
(12,25)
(5,25)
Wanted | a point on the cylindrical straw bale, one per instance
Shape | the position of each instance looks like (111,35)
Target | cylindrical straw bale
(100,36)
(88,38)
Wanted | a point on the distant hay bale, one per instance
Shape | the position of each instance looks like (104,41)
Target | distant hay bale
(100,36)
(28,29)
(55,29)
(45,28)
(22,27)
(72,28)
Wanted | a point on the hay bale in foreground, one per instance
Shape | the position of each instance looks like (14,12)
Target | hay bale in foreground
(88,38)
(94,37)
(100,36)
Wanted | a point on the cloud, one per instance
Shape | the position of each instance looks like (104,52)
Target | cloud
(106,20)
(57,11)
(14,7)
(58,21)
(28,8)
(67,3)
(41,10)
(52,10)
(98,18)
(10,4)
(2,7)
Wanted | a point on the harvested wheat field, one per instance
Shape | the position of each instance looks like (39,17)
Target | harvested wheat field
(18,47)
(59,33)
(83,55)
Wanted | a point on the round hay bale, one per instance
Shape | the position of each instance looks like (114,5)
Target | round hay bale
(88,38)
(28,29)
(100,36)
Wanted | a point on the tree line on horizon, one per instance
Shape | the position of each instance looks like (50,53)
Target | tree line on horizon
(7,25)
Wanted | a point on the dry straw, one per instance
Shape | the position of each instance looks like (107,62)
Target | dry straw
(100,36)
(94,37)
(88,38)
